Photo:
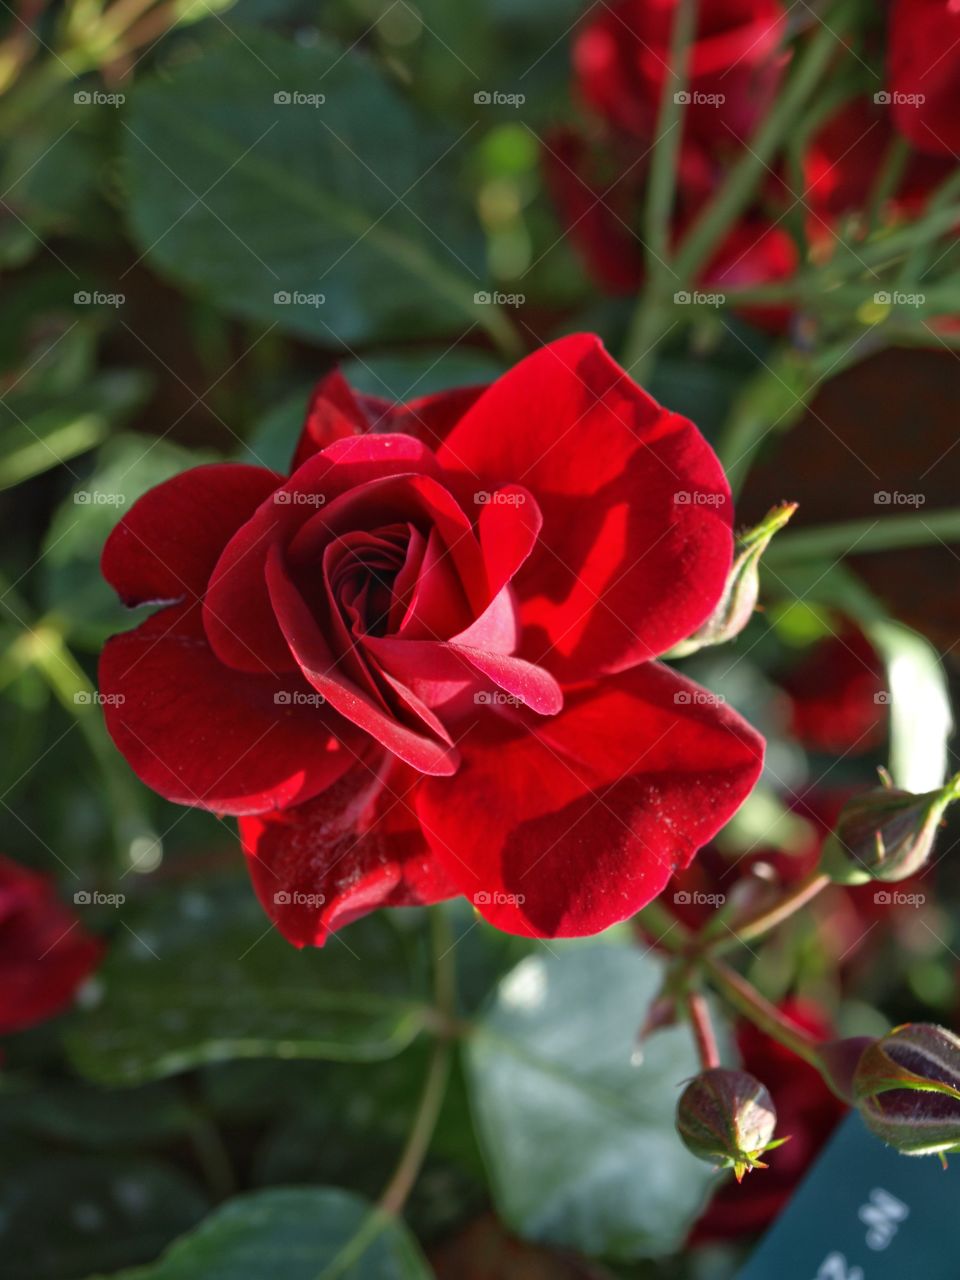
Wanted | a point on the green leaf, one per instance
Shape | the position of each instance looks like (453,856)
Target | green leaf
(126,467)
(65,1215)
(294,1234)
(204,977)
(40,430)
(336,221)
(579,1138)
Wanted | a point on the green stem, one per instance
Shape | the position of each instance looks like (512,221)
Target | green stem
(747,1000)
(745,176)
(698,1011)
(882,533)
(408,1167)
(649,320)
(744,932)
(663,166)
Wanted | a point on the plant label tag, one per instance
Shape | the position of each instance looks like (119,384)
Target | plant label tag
(863,1212)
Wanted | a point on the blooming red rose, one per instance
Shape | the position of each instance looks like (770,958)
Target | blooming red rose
(44,953)
(924,73)
(422,664)
(622,58)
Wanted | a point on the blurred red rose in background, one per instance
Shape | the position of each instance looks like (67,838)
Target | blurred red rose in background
(838,695)
(843,162)
(622,58)
(434,641)
(45,954)
(924,73)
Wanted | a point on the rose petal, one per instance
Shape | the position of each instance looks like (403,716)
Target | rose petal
(320,668)
(636,540)
(569,828)
(202,734)
(237,615)
(353,849)
(167,544)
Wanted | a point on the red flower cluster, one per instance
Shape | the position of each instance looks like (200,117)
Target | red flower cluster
(621,59)
(421,665)
(44,953)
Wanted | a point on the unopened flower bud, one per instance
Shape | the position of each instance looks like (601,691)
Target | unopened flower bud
(728,1118)
(885,834)
(907,1089)
(735,607)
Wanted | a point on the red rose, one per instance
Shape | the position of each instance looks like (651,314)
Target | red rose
(598,193)
(622,57)
(806,1110)
(843,161)
(434,640)
(44,953)
(838,695)
(924,73)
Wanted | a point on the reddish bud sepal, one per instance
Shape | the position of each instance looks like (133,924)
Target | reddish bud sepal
(728,1118)
(886,834)
(907,1089)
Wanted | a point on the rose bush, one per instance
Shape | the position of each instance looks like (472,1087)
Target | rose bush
(422,664)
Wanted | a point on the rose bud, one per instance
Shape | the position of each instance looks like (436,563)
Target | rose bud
(885,834)
(728,1118)
(739,600)
(907,1089)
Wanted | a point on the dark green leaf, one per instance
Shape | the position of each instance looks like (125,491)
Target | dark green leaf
(63,1216)
(336,221)
(297,1235)
(206,978)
